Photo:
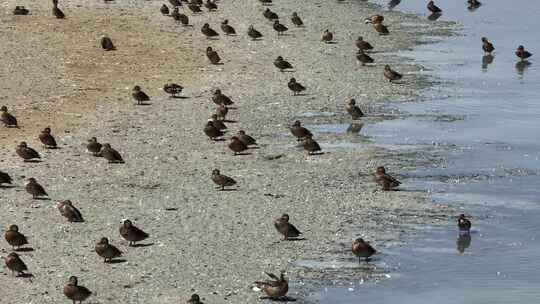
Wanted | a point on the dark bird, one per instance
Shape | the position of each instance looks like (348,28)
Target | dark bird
(381,29)
(246,139)
(390,74)
(362,249)
(363,45)
(139,95)
(47,139)
(194,299)
(208,31)
(327,36)
(220,98)
(354,110)
(386,181)
(15,264)
(14,237)
(276,288)
(106,250)
(226,28)
(279,28)
(268,14)
(5,178)
(433,8)
(56,11)
(93,146)
(237,146)
(285,228)
(26,153)
(107,44)
(253,33)
(7,119)
(20,10)
(175,3)
(195,8)
(473,4)
(374,19)
(210,5)
(464,224)
(222,180)
(173,89)
(281,64)
(111,154)
(295,86)
(522,53)
(363,58)
(212,56)
(131,233)
(463,242)
(164,9)
(217,123)
(32,187)
(182,18)
(211,131)
(487,46)
(221,111)
(74,292)
(310,145)
(393,3)
(67,210)
(296,20)
(299,132)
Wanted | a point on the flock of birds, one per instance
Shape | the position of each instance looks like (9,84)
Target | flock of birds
(277,286)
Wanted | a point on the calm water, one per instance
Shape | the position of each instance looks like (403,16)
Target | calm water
(482,121)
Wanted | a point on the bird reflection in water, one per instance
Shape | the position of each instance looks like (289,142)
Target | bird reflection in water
(355,128)
(463,241)
(487,60)
(434,16)
(521,66)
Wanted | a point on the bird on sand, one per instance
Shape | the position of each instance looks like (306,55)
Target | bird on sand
(111,154)
(93,146)
(522,53)
(327,36)
(20,10)
(182,18)
(34,188)
(14,238)
(56,11)
(47,139)
(75,292)
(287,229)
(212,55)
(173,89)
(107,44)
(296,20)
(363,45)
(464,224)
(237,146)
(282,64)
(164,9)
(107,251)
(208,31)
(5,178)
(175,3)
(362,249)
(194,7)
(219,98)
(26,153)
(268,14)
(253,33)
(222,180)
(363,58)
(212,131)
(15,264)
(390,74)
(295,86)
(275,288)
(353,109)
(139,95)
(299,131)
(310,145)
(194,299)
(226,28)
(279,28)
(70,212)
(131,233)
(210,5)
(487,46)
(7,119)
(246,139)
(386,181)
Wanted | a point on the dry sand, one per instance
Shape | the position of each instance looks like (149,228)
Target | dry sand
(206,241)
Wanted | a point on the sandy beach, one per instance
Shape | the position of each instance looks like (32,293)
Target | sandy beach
(214,243)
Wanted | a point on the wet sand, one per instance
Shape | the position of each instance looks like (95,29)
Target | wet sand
(202,240)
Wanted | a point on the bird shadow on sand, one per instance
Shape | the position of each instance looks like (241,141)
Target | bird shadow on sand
(24,249)
(331,42)
(33,161)
(243,153)
(25,275)
(317,153)
(117,261)
(227,189)
(42,198)
(142,245)
(179,97)
(143,104)
(229,121)
(219,139)
(282,299)
(219,63)
(7,186)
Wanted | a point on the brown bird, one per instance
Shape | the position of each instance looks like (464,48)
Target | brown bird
(386,181)
(281,64)
(217,123)
(276,288)
(487,46)
(182,18)
(107,44)
(131,233)
(67,210)
(212,55)
(310,145)
(295,86)
(5,178)
(7,119)
(219,98)
(522,53)
(47,139)
(164,9)
(32,187)
(211,131)
(362,249)
(363,58)
(253,33)
(327,36)
(210,5)
(464,224)
(390,74)
(246,139)
(139,95)
(194,299)
(226,28)
(111,154)
(173,89)
(237,146)
(208,31)
(299,132)
(279,28)
(374,19)
(56,11)
(381,29)
(285,228)
(354,110)
(194,7)
(15,264)
(106,250)
(363,45)
(296,20)
(93,146)
(14,237)
(221,111)
(26,153)
(222,180)
(268,14)
(74,292)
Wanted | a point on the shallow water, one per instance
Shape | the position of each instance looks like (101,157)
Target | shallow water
(481,121)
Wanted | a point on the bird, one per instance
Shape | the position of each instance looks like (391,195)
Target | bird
(56,11)
(296,20)
(211,131)
(14,238)
(237,146)
(363,58)
(106,250)
(221,111)
(165,9)
(139,95)
(74,292)
(295,86)
(226,28)
(210,5)
(253,33)
(381,29)
(287,229)
(362,249)
(208,31)
(276,288)
(7,119)
(268,14)
(487,46)
(212,55)
(175,3)
(93,146)
(47,139)
(393,3)
(222,180)
(279,28)
(522,53)
(433,8)
(20,10)
(390,74)
(15,264)
(182,18)
(194,299)
(298,131)
(173,89)
(310,145)
(281,64)
(353,109)
(464,224)
(111,154)
(246,139)
(473,4)
(374,19)
(220,98)
(34,188)
(131,233)
(195,8)
(107,44)
(386,181)
(217,123)
(327,36)
(363,45)
(67,210)
(25,152)
(5,178)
